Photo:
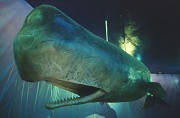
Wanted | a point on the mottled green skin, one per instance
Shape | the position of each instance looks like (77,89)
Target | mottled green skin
(51,46)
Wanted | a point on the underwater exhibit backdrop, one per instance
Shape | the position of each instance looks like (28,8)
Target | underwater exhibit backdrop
(21,99)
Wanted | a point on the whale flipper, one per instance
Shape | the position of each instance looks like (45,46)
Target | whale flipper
(151,100)
(155,89)
(156,93)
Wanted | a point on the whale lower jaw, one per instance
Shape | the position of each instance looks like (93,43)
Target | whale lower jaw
(75,101)
(86,93)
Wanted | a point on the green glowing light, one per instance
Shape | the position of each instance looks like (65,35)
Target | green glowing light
(138,57)
(131,43)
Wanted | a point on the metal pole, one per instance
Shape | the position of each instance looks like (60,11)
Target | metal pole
(106,30)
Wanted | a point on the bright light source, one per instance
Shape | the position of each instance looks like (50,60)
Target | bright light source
(131,41)
(128,47)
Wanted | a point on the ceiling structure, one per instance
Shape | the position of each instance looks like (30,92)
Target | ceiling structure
(157,21)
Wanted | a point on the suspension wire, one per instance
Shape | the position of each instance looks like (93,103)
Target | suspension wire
(27,97)
(22,93)
(52,97)
(47,91)
(5,87)
(12,97)
(95,110)
(35,100)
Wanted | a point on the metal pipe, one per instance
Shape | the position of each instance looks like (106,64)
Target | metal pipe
(106,26)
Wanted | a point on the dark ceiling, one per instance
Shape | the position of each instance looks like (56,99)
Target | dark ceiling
(158,22)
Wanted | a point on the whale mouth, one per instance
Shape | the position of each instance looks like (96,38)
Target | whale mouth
(86,94)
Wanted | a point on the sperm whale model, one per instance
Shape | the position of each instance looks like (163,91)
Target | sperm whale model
(54,48)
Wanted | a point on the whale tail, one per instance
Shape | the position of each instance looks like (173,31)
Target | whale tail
(156,93)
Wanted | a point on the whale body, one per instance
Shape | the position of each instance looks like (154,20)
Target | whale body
(52,47)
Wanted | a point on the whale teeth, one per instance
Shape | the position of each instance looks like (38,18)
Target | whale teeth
(64,100)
